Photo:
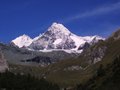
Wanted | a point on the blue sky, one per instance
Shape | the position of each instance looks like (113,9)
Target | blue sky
(82,17)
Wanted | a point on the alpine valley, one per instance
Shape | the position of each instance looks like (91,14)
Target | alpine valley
(72,62)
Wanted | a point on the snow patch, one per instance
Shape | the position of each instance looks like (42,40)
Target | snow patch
(67,51)
(57,41)
(78,41)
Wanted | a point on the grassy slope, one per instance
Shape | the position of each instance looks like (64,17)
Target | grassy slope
(64,78)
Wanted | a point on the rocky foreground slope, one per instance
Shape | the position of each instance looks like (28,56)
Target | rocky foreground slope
(3,62)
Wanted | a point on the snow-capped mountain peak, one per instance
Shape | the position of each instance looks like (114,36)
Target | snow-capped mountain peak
(57,37)
(58,28)
(22,41)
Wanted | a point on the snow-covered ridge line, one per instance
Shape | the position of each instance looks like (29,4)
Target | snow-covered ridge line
(57,37)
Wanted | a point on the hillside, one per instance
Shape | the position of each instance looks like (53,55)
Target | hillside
(106,77)
(74,71)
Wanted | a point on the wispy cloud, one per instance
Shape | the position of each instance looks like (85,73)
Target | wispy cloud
(99,11)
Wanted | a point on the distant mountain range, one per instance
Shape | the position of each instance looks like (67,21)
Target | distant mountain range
(57,37)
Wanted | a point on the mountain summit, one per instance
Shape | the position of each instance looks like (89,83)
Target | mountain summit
(58,28)
(56,37)
(22,41)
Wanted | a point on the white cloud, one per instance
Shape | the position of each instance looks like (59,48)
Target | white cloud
(99,11)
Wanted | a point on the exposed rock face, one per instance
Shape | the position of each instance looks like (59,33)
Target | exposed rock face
(3,63)
(115,35)
(42,61)
(94,54)
(73,68)
(85,46)
(99,54)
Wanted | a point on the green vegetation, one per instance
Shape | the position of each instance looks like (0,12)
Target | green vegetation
(11,81)
(105,78)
